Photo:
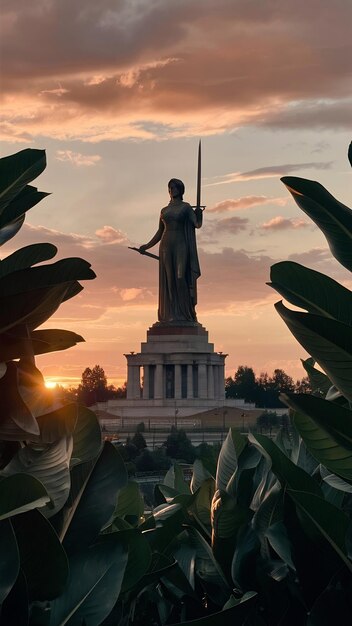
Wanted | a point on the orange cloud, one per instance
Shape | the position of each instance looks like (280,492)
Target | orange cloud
(283,223)
(114,70)
(244,203)
(76,158)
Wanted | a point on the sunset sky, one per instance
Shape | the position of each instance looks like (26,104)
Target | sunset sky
(119,92)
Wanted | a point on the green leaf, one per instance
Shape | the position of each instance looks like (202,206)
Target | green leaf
(286,471)
(230,451)
(31,310)
(20,493)
(130,501)
(174,479)
(227,516)
(328,521)
(86,436)
(139,557)
(26,257)
(207,568)
(244,559)
(332,217)
(96,575)
(43,559)
(42,276)
(199,475)
(48,463)
(312,291)
(270,510)
(93,497)
(15,609)
(16,171)
(11,229)
(10,560)
(25,200)
(227,617)
(328,341)
(202,505)
(326,429)
(319,382)
(279,541)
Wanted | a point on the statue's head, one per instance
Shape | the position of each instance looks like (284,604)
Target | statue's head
(176,188)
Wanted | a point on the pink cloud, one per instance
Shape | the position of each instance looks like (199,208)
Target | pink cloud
(284,223)
(108,234)
(76,158)
(271,171)
(244,203)
(115,69)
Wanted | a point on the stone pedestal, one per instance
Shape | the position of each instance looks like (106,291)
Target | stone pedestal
(179,369)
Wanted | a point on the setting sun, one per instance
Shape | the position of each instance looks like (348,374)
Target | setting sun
(50,384)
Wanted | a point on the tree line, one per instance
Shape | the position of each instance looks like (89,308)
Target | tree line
(263,390)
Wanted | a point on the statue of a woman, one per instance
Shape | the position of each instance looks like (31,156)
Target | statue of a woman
(178,258)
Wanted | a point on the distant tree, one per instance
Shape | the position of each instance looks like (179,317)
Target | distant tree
(243,384)
(303,385)
(139,441)
(268,420)
(94,386)
(179,446)
(282,382)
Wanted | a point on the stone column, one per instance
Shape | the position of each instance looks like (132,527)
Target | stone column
(145,382)
(133,382)
(222,381)
(210,382)
(202,381)
(159,387)
(189,381)
(178,393)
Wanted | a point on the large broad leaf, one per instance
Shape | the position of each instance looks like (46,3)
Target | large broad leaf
(287,472)
(130,501)
(93,498)
(26,257)
(12,405)
(332,217)
(48,463)
(312,291)
(199,475)
(11,229)
(236,614)
(333,418)
(326,429)
(174,479)
(41,276)
(42,556)
(270,510)
(15,609)
(16,171)
(207,568)
(243,567)
(230,451)
(227,516)
(33,309)
(15,346)
(328,521)
(328,341)
(139,557)
(94,585)
(86,436)
(25,200)
(10,560)
(319,382)
(202,505)
(20,493)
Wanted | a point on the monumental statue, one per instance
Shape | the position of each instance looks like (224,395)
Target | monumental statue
(178,259)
